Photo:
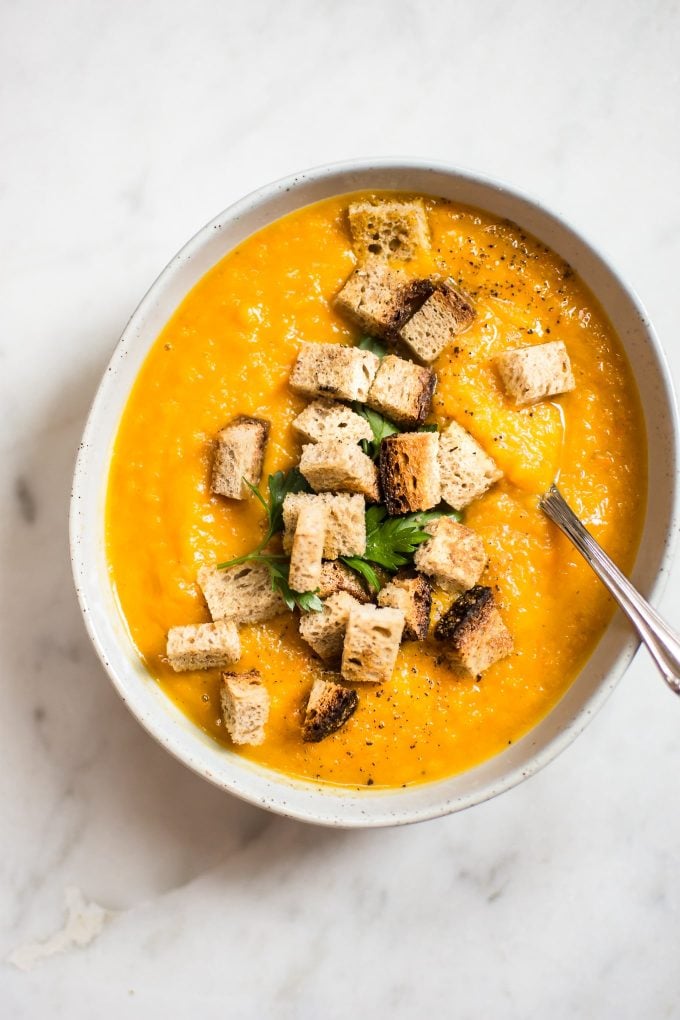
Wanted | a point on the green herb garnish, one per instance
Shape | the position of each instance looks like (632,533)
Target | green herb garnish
(380,427)
(280,485)
(392,541)
(369,343)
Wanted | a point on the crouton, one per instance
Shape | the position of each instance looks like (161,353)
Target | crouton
(454,555)
(388,229)
(329,707)
(335,576)
(239,454)
(345,522)
(324,632)
(203,646)
(413,595)
(245,706)
(409,472)
(338,466)
(307,551)
(402,391)
(440,318)
(371,644)
(474,631)
(379,299)
(466,470)
(326,419)
(533,373)
(331,370)
(242,593)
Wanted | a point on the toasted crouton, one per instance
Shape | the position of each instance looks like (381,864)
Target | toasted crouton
(203,646)
(440,318)
(326,419)
(402,391)
(307,551)
(242,593)
(331,370)
(388,229)
(379,299)
(534,373)
(239,454)
(454,555)
(329,707)
(335,576)
(324,632)
(345,522)
(409,472)
(245,706)
(474,631)
(371,644)
(413,595)
(466,470)
(338,466)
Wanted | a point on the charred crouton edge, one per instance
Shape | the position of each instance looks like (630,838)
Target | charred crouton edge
(239,455)
(335,577)
(329,707)
(380,299)
(444,313)
(413,595)
(245,706)
(474,631)
(409,472)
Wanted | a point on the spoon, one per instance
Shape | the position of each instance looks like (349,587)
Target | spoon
(662,643)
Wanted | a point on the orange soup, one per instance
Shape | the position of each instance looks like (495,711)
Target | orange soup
(229,349)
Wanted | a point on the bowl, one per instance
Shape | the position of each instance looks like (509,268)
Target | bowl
(305,800)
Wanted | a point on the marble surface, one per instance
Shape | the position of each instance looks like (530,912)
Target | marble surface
(131,888)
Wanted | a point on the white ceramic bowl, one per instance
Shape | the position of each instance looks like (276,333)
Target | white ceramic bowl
(107,628)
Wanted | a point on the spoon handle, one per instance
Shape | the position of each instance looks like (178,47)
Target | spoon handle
(662,643)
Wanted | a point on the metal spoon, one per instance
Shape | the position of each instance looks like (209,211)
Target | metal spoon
(662,643)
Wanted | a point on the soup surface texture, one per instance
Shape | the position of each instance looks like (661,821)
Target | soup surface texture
(228,350)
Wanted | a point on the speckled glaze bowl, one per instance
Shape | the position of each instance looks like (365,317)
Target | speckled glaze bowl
(304,800)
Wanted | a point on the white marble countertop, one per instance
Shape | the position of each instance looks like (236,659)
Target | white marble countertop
(125,127)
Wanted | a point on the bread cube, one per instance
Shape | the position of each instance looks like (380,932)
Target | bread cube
(413,595)
(454,555)
(239,454)
(534,373)
(432,327)
(409,472)
(374,298)
(345,522)
(203,646)
(389,229)
(307,550)
(466,470)
(242,593)
(331,370)
(474,631)
(371,645)
(402,391)
(245,706)
(326,419)
(335,576)
(324,632)
(329,707)
(337,466)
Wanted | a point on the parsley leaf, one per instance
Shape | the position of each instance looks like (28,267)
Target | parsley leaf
(306,601)
(392,541)
(369,343)
(428,427)
(380,427)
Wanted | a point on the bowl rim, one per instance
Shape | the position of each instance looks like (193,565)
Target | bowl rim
(373,816)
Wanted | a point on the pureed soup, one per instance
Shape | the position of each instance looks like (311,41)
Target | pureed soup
(229,350)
